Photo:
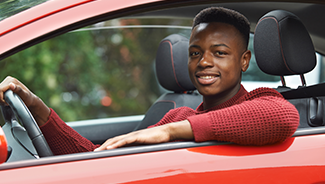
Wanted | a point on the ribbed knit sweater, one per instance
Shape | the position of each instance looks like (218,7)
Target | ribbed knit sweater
(258,117)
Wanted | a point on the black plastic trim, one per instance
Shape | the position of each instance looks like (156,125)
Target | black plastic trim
(309,131)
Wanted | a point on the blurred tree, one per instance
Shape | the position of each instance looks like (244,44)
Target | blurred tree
(94,72)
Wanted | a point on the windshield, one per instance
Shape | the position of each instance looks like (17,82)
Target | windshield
(9,8)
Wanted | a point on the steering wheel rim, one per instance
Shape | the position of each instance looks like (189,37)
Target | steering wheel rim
(26,118)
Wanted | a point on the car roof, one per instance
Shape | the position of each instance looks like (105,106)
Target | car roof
(310,12)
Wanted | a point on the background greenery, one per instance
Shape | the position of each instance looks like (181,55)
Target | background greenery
(104,70)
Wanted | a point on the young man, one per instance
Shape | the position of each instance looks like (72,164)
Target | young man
(217,56)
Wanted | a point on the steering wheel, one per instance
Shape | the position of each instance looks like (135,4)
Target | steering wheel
(25,117)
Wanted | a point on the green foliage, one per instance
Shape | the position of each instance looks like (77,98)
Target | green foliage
(73,73)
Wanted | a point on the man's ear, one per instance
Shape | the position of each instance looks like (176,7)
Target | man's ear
(246,57)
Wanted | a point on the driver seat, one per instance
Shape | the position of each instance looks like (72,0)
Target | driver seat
(172,74)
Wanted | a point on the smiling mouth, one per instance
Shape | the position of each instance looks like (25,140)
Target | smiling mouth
(207,79)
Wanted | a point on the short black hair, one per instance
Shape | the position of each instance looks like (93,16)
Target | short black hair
(224,15)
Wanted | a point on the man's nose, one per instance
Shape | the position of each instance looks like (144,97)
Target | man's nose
(206,60)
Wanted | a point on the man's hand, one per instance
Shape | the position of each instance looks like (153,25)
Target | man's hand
(173,131)
(36,106)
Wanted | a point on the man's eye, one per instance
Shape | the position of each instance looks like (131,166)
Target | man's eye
(220,53)
(194,53)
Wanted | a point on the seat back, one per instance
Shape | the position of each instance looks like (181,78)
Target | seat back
(172,74)
(282,47)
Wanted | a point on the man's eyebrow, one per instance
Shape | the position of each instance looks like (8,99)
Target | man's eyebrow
(220,45)
(216,45)
(195,46)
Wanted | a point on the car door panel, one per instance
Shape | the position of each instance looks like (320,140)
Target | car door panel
(99,130)
(222,163)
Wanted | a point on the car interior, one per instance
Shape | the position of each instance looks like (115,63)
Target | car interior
(281,32)
(295,56)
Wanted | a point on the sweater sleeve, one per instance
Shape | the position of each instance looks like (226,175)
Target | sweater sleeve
(174,115)
(260,121)
(62,139)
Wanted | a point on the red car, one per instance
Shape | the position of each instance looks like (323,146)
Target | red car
(96,58)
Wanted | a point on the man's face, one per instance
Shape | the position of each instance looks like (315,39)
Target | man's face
(216,59)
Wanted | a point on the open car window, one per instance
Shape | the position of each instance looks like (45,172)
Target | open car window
(100,71)
(108,69)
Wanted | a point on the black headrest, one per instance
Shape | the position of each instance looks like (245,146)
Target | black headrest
(282,45)
(171,64)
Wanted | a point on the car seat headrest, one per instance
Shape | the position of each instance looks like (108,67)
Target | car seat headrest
(171,64)
(282,45)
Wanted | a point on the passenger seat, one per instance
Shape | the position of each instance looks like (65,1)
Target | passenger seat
(282,47)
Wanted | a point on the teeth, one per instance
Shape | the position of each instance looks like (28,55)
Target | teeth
(206,77)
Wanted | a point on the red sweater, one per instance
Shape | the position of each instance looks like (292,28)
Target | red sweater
(259,117)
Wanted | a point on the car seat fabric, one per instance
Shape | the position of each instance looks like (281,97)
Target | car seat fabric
(172,74)
(171,64)
(282,46)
